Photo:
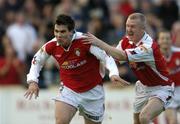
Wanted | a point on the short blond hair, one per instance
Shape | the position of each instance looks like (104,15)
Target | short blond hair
(139,16)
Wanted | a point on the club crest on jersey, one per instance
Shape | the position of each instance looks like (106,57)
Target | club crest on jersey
(177,62)
(77,52)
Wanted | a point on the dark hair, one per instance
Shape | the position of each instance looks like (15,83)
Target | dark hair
(65,20)
(2,51)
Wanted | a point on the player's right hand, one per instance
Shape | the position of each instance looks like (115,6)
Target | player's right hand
(32,89)
(91,39)
(118,80)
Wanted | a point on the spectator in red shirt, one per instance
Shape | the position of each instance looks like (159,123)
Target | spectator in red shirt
(11,69)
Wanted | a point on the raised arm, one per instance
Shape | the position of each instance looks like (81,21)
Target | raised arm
(115,53)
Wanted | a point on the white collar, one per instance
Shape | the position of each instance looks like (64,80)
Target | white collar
(145,36)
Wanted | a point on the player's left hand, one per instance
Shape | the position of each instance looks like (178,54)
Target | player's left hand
(118,80)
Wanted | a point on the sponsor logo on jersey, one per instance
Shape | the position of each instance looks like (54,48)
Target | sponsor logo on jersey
(177,62)
(77,52)
(72,64)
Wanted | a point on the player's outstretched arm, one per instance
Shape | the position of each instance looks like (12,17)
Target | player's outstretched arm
(32,77)
(115,53)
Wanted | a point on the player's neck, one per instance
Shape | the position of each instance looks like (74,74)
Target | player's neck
(139,38)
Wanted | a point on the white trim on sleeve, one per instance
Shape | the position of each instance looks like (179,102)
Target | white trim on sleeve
(108,61)
(37,63)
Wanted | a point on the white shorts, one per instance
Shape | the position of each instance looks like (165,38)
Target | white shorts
(144,93)
(90,104)
(176,99)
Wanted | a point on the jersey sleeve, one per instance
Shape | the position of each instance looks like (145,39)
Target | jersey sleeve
(48,47)
(37,63)
(108,61)
(142,53)
(119,47)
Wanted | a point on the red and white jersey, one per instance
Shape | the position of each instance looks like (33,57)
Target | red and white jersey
(173,65)
(81,65)
(146,61)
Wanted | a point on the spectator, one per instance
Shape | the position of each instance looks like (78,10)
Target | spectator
(175,35)
(11,68)
(168,12)
(21,34)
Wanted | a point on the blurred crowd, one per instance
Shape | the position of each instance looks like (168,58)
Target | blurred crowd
(25,25)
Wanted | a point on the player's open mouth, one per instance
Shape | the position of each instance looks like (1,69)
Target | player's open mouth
(130,33)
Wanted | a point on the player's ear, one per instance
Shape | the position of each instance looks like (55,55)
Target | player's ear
(73,34)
